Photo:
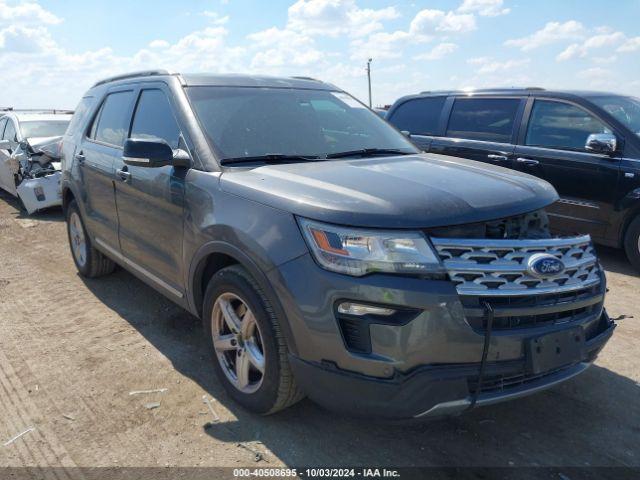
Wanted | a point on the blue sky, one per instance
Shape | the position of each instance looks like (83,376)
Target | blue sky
(51,51)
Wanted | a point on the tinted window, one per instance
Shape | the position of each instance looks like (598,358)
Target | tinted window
(489,119)
(79,114)
(10,131)
(50,128)
(561,125)
(419,116)
(113,121)
(154,119)
(624,109)
(243,122)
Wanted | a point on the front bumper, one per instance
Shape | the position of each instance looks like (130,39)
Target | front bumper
(41,192)
(433,391)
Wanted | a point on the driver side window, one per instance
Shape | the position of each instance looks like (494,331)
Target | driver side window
(561,125)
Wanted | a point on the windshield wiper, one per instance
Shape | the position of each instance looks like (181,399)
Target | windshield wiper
(368,152)
(270,158)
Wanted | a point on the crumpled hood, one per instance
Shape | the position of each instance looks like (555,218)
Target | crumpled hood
(424,190)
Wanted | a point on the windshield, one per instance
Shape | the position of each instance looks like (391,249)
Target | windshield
(624,109)
(254,122)
(42,128)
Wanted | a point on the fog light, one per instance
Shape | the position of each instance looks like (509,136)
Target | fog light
(39,193)
(359,309)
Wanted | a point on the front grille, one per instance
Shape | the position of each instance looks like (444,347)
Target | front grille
(502,382)
(499,267)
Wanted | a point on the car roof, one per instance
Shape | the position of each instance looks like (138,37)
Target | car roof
(42,117)
(230,79)
(528,91)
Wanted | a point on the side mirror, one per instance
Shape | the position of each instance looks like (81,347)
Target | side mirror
(153,154)
(5,145)
(605,143)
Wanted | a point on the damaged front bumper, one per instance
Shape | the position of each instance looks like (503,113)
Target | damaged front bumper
(41,192)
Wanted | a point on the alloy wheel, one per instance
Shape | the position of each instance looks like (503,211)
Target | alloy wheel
(77,239)
(238,343)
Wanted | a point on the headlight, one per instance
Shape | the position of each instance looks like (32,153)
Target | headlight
(356,252)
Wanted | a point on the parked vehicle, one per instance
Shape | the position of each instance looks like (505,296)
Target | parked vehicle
(586,144)
(30,156)
(324,253)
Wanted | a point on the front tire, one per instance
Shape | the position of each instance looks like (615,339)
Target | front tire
(90,262)
(249,352)
(632,243)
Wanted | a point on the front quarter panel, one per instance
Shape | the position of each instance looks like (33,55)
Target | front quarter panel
(258,236)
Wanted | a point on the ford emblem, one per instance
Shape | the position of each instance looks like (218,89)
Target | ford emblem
(543,265)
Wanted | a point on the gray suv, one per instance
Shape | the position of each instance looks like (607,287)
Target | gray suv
(324,253)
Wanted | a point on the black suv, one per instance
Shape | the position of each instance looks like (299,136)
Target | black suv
(324,252)
(586,144)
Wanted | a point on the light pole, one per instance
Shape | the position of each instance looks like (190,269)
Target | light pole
(369,78)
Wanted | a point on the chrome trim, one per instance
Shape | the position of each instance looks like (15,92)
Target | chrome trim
(579,203)
(158,281)
(488,267)
(136,160)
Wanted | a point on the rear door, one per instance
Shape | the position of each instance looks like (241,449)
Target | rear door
(482,129)
(552,141)
(420,117)
(95,156)
(150,200)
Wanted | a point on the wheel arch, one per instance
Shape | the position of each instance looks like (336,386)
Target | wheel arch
(216,255)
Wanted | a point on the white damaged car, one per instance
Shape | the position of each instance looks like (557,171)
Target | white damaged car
(30,156)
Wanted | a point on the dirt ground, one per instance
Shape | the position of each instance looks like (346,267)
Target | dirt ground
(72,350)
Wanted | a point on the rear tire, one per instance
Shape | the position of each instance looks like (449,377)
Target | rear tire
(632,243)
(90,262)
(256,336)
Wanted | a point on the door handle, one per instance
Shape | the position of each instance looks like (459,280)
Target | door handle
(123,175)
(79,157)
(528,161)
(497,158)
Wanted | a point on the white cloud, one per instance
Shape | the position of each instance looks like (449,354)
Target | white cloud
(486,65)
(485,8)
(597,77)
(431,22)
(597,41)
(335,17)
(215,17)
(280,47)
(439,51)
(551,33)
(26,13)
(159,44)
(630,45)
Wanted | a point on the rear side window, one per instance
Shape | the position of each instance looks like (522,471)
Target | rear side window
(154,119)
(419,116)
(561,125)
(113,119)
(488,119)
(79,115)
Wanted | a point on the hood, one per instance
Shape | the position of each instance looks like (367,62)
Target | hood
(37,142)
(416,191)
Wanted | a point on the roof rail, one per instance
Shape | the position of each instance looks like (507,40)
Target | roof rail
(306,78)
(124,76)
(37,110)
(534,88)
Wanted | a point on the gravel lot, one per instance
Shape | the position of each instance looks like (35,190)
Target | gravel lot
(71,350)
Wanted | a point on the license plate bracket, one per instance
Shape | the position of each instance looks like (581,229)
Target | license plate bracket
(554,350)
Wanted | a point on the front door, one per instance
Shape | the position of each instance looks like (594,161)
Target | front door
(553,148)
(150,200)
(95,157)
